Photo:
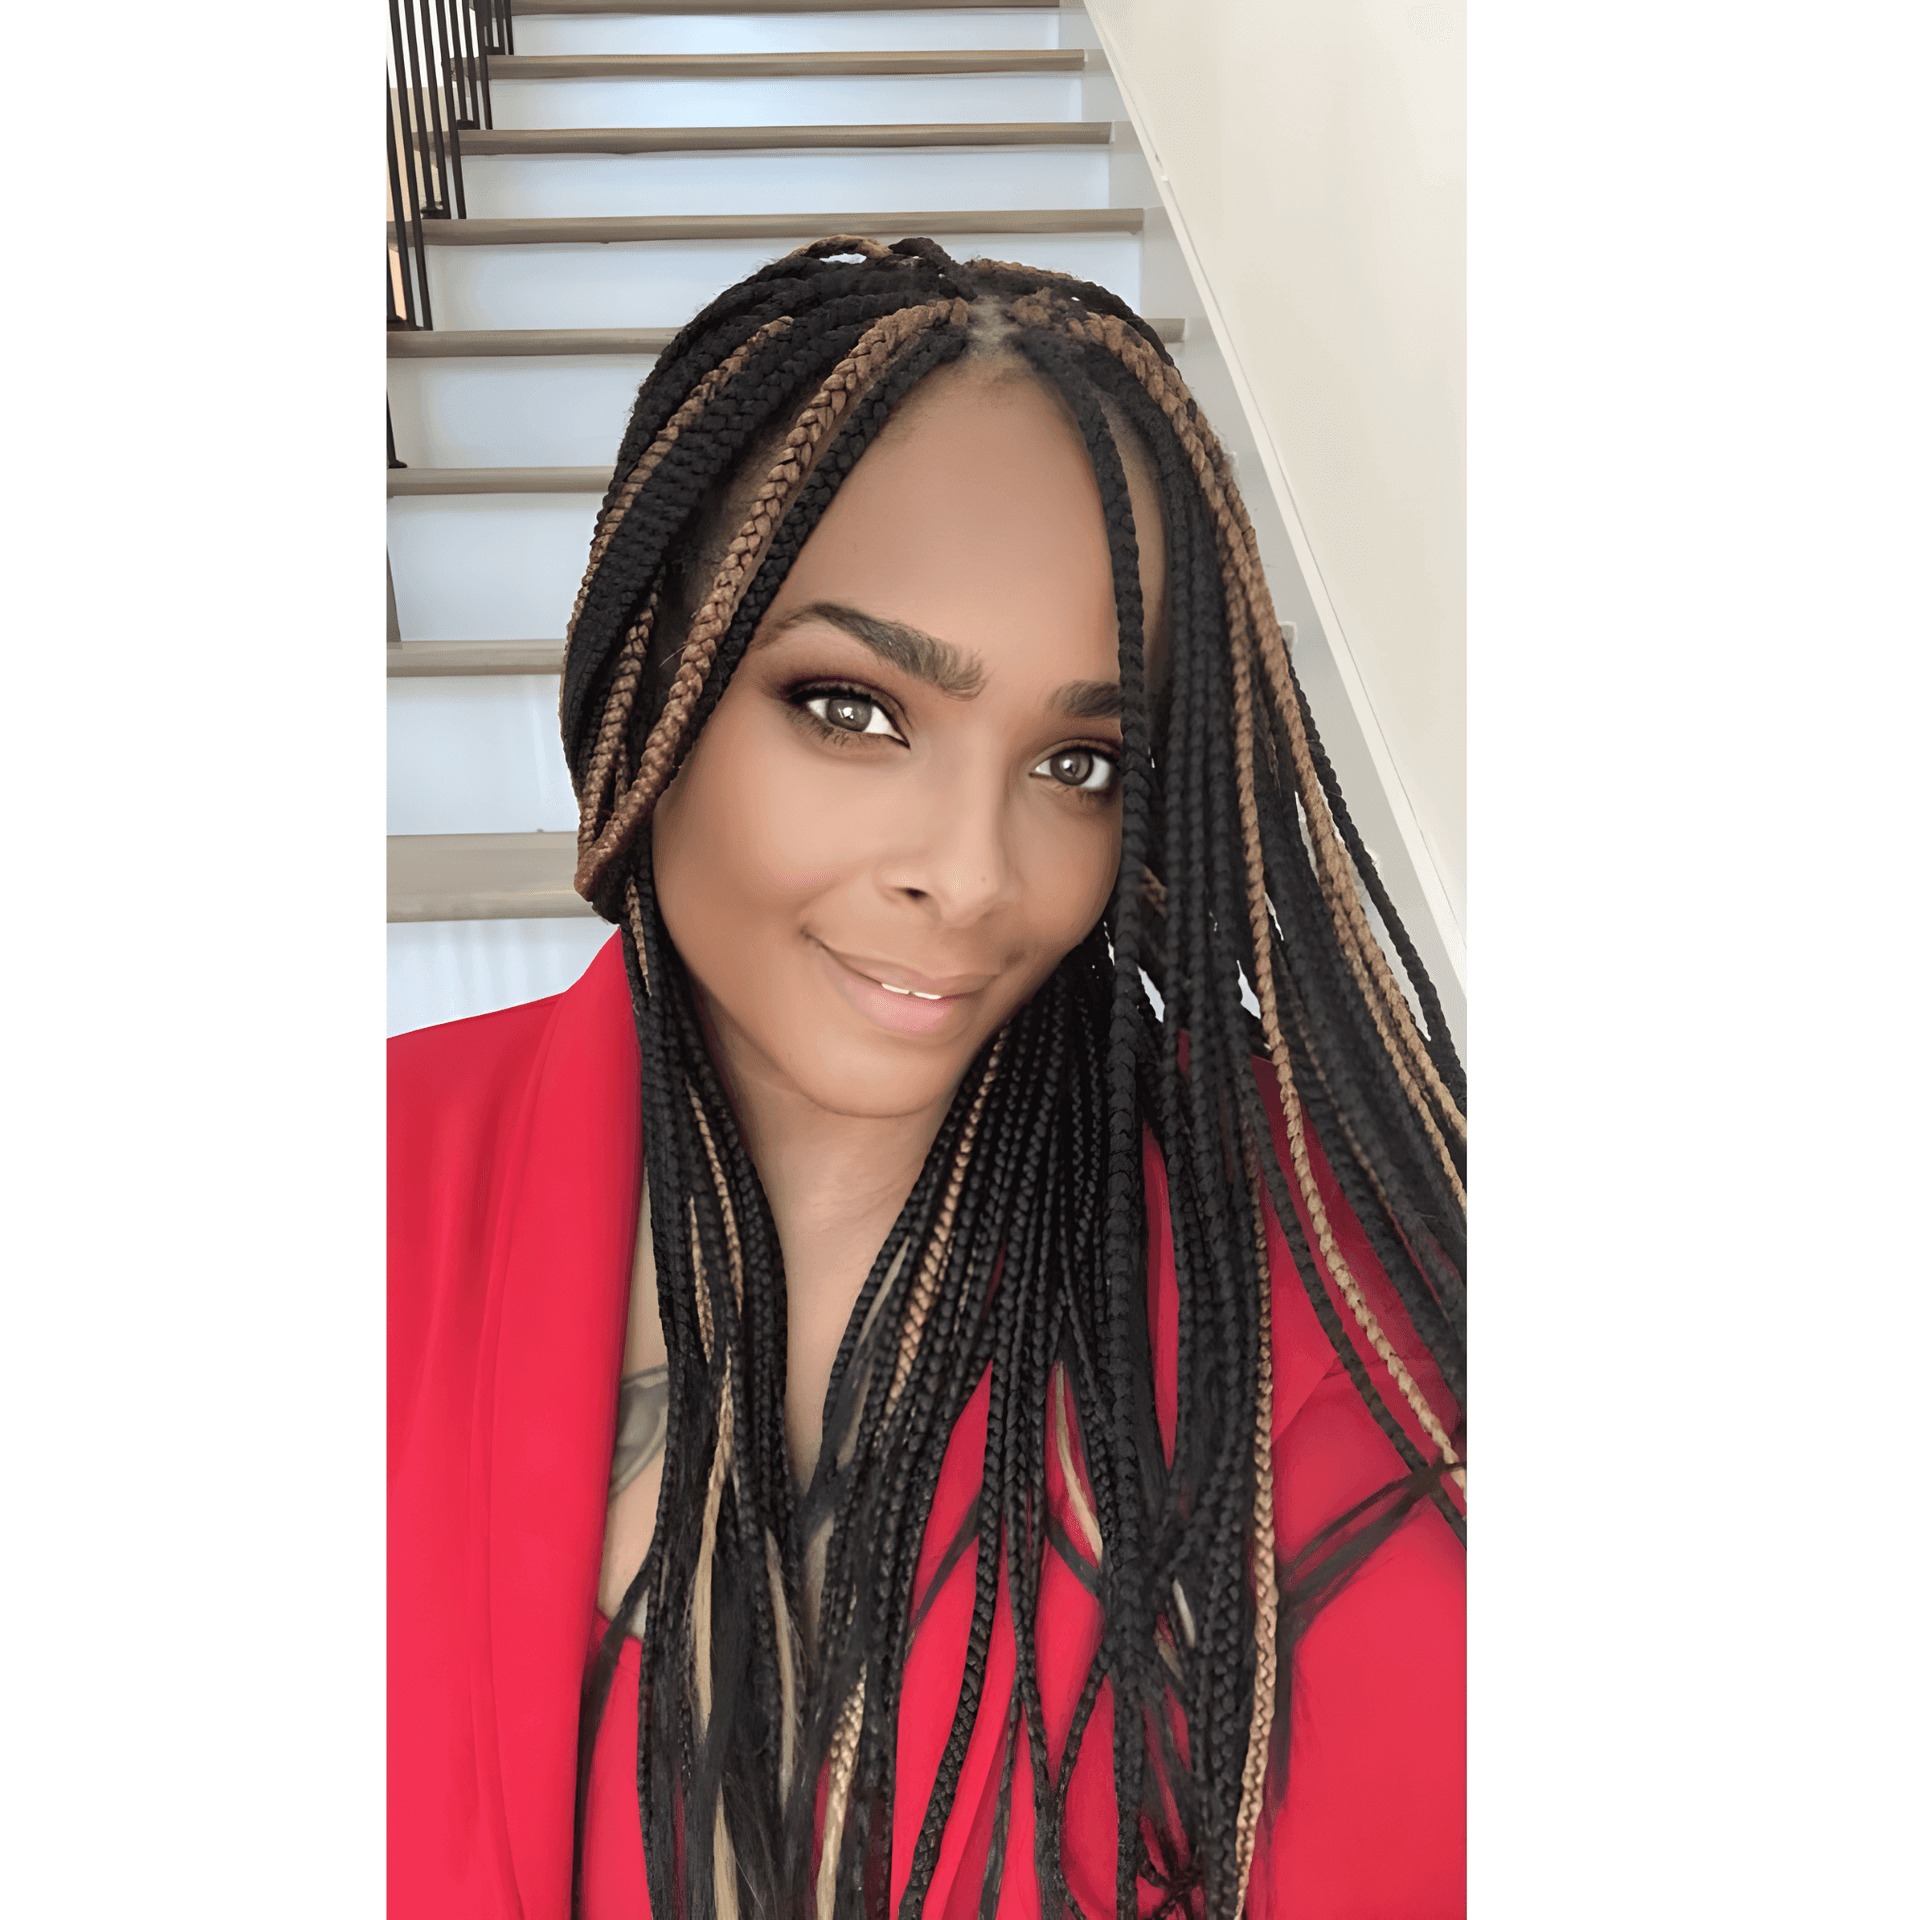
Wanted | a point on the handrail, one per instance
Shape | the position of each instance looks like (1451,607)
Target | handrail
(437,84)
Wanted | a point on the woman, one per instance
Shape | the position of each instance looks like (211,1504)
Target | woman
(1035,1471)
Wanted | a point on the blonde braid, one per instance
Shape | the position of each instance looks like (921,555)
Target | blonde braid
(1336,1261)
(613,510)
(602,845)
(607,768)
(1364,961)
(926,1283)
(1249,604)
(1266,1579)
(840,1758)
(1079,1495)
(637,926)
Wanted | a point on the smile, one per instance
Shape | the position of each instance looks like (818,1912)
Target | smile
(898,998)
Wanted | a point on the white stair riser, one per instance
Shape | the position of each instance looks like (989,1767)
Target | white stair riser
(448,969)
(555,185)
(915,32)
(665,283)
(488,566)
(534,412)
(787,101)
(477,754)
(481,754)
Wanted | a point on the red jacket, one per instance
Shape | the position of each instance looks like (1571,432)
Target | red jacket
(515,1186)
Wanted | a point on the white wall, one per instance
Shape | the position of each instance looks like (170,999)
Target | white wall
(1311,155)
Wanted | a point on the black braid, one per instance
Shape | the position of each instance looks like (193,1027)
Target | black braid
(1043,1264)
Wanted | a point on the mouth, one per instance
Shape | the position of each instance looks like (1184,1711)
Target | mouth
(898,998)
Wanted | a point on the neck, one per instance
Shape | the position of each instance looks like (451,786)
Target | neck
(830,1178)
(835,1184)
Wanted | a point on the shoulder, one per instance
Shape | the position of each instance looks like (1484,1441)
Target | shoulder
(1373,1818)
(441,1077)
(1321,1267)
(1327,1270)
(455,1092)
(466,1104)
(456,1095)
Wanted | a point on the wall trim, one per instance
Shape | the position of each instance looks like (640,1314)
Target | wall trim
(1427,873)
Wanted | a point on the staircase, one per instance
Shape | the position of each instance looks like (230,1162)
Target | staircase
(643,157)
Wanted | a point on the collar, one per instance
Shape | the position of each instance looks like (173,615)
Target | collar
(544,1411)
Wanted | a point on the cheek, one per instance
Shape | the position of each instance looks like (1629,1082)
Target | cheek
(758,835)
(1068,879)
(747,833)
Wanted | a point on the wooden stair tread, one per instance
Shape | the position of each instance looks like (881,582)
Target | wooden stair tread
(834,64)
(434,659)
(509,141)
(482,876)
(591,229)
(405,343)
(409,482)
(526,9)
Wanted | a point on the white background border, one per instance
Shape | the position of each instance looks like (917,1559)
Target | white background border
(1693,689)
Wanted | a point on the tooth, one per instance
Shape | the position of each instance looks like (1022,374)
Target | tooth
(894,989)
(926,996)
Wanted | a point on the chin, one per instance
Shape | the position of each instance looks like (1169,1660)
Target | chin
(877,1082)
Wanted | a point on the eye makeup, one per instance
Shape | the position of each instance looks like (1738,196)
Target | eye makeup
(841,712)
(1099,777)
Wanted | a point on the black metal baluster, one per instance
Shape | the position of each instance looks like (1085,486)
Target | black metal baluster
(473,60)
(452,18)
(427,114)
(399,304)
(407,167)
(483,27)
(446,78)
(439,83)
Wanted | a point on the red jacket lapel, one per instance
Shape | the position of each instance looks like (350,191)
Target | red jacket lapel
(543,1421)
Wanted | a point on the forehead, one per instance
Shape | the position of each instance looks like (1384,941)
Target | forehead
(975,517)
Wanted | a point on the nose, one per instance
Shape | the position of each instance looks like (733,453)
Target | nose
(952,850)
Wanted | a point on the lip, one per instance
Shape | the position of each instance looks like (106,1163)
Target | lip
(929,1004)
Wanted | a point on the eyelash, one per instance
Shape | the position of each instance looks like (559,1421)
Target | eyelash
(1107,787)
(803,699)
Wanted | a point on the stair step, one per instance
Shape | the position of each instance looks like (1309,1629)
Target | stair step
(779,66)
(505,342)
(500,342)
(526,9)
(429,659)
(607,230)
(513,141)
(408,482)
(482,876)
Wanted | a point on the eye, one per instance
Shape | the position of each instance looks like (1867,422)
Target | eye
(1082,768)
(848,712)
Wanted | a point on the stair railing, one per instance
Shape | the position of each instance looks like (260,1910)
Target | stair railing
(437,83)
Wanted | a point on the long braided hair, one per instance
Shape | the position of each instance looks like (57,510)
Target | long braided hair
(766,1778)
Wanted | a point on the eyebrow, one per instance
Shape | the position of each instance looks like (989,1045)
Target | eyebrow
(899,645)
(1091,700)
(938,662)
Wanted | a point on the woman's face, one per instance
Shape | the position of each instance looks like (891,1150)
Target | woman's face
(905,809)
